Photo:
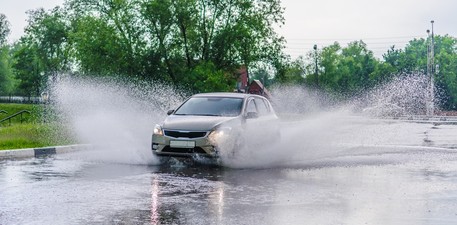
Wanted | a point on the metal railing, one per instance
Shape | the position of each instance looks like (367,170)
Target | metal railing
(3,111)
(15,115)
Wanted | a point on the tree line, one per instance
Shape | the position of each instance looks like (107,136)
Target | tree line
(199,45)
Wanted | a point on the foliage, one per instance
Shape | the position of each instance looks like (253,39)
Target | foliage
(414,58)
(98,48)
(446,72)
(206,77)
(6,75)
(263,74)
(47,33)
(109,37)
(346,71)
(43,52)
(28,69)
(175,40)
(4,29)
(293,72)
(199,44)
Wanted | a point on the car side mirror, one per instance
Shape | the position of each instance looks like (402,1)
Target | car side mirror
(252,115)
(170,112)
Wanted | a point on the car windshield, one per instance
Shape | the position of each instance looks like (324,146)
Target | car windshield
(211,106)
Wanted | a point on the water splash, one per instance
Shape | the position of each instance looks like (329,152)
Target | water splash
(115,116)
(405,95)
(299,100)
(314,128)
(118,117)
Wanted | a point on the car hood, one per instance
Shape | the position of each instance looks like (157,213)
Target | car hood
(195,123)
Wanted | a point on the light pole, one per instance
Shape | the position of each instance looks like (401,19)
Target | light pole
(431,72)
(315,65)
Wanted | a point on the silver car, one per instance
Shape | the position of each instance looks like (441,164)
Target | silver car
(196,127)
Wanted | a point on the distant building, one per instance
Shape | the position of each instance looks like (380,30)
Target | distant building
(255,87)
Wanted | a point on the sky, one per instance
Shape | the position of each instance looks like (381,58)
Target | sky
(379,23)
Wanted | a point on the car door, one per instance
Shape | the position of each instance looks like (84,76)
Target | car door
(257,121)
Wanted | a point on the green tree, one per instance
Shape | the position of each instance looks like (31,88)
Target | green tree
(28,70)
(414,59)
(329,62)
(293,72)
(361,63)
(393,56)
(6,81)
(263,74)
(446,74)
(97,48)
(110,34)
(47,34)
(43,52)
(6,73)
(175,40)
(4,29)
(207,78)
(228,34)
(345,71)
(161,26)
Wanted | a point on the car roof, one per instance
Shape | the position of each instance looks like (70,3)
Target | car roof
(226,95)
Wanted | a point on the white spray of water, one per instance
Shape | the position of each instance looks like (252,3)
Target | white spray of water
(405,95)
(115,117)
(119,117)
(315,129)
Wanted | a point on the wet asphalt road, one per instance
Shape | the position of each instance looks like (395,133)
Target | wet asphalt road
(398,185)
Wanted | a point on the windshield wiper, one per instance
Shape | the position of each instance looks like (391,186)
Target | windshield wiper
(197,114)
(208,115)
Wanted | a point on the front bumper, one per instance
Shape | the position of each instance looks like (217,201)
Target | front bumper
(203,147)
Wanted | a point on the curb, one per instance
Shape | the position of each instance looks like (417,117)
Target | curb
(37,152)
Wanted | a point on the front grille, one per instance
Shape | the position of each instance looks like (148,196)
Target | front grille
(184,150)
(181,134)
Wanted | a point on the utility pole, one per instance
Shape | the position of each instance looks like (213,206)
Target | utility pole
(431,72)
(315,66)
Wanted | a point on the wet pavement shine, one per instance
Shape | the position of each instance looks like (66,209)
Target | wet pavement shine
(410,186)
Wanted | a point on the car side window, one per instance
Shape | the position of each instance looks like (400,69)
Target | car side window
(263,110)
(251,107)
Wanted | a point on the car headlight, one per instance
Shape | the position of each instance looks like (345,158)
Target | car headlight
(158,130)
(219,134)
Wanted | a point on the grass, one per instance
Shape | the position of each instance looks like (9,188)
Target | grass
(36,112)
(32,131)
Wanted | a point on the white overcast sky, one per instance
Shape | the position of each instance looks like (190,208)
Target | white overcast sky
(380,23)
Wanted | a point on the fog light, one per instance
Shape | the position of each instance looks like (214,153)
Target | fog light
(155,146)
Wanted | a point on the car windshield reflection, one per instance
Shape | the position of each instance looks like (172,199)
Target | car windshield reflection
(211,106)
